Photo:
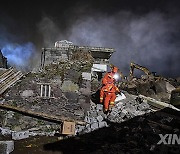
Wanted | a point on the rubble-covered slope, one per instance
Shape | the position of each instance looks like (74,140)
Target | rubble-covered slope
(69,93)
(158,88)
(138,135)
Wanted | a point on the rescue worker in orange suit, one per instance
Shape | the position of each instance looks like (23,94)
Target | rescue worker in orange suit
(109,77)
(108,94)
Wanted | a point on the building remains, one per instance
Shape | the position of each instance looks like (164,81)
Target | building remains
(3,61)
(64,50)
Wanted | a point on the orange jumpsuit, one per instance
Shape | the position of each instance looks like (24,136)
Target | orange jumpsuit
(108,94)
(108,78)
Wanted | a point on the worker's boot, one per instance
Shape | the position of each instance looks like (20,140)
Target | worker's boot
(106,111)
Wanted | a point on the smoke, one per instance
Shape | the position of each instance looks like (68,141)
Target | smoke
(49,30)
(18,54)
(150,39)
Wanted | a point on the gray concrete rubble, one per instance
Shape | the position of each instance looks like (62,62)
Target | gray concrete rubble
(95,119)
(5,131)
(20,135)
(126,107)
(6,147)
(44,130)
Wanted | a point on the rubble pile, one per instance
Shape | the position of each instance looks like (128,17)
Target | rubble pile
(95,119)
(137,135)
(158,88)
(129,107)
(69,97)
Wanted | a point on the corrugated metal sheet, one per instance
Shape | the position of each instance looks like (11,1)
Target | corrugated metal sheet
(8,78)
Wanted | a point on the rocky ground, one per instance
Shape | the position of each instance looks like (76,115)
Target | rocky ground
(138,135)
(130,127)
(70,95)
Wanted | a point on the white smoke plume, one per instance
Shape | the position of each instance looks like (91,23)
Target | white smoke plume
(19,54)
(149,39)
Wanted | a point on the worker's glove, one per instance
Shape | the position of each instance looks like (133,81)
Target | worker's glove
(119,92)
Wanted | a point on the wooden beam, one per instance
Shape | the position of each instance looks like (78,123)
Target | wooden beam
(39,114)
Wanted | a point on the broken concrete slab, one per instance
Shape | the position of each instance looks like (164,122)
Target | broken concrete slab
(86,76)
(90,119)
(20,135)
(5,131)
(100,118)
(93,113)
(120,97)
(103,124)
(99,107)
(6,147)
(94,126)
(169,87)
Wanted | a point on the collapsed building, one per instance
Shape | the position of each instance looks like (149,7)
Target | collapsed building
(64,50)
(62,92)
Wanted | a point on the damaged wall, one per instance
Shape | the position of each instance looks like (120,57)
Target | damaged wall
(3,61)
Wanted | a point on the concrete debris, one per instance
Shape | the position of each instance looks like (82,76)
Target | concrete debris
(120,97)
(127,109)
(158,104)
(27,93)
(169,87)
(86,76)
(95,119)
(45,130)
(103,124)
(6,147)
(20,135)
(94,126)
(100,118)
(5,131)
(99,107)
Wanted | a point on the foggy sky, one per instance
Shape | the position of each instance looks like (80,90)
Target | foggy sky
(146,33)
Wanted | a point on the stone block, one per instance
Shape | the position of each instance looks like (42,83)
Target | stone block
(80,128)
(99,107)
(5,131)
(6,147)
(120,97)
(100,118)
(93,113)
(86,76)
(90,119)
(103,124)
(122,115)
(3,148)
(94,126)
(119,105)
(87,128)
(20,135)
